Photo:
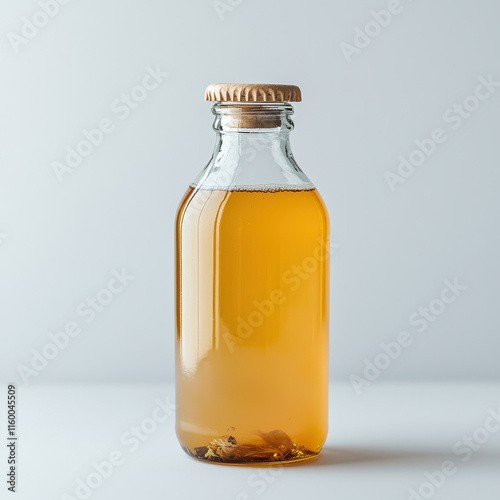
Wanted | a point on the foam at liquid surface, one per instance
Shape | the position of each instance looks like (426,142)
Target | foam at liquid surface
(268,188)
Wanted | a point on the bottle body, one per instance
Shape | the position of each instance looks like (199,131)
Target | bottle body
(252,319)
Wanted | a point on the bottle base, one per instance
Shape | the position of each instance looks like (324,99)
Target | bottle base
(256,462)
(274,448)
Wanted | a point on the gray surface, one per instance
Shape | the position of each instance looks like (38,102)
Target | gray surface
(380,445)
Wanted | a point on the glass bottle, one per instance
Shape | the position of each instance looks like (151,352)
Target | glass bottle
(252,285)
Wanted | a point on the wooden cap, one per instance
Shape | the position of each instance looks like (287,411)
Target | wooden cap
(252,92)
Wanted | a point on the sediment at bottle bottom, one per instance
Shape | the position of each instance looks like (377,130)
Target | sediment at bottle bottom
(274,448)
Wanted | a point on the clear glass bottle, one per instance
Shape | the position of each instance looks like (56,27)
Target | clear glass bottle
(252,285)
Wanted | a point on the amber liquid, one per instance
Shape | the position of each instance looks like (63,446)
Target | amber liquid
(252,322)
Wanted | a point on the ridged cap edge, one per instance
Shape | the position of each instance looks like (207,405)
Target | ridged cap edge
(252,92)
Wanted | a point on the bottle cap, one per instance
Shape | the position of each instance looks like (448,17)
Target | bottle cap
(252,92)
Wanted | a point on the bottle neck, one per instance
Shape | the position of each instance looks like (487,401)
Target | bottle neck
(252,117)
(252,148)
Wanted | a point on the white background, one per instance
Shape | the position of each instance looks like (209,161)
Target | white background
(61,240)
